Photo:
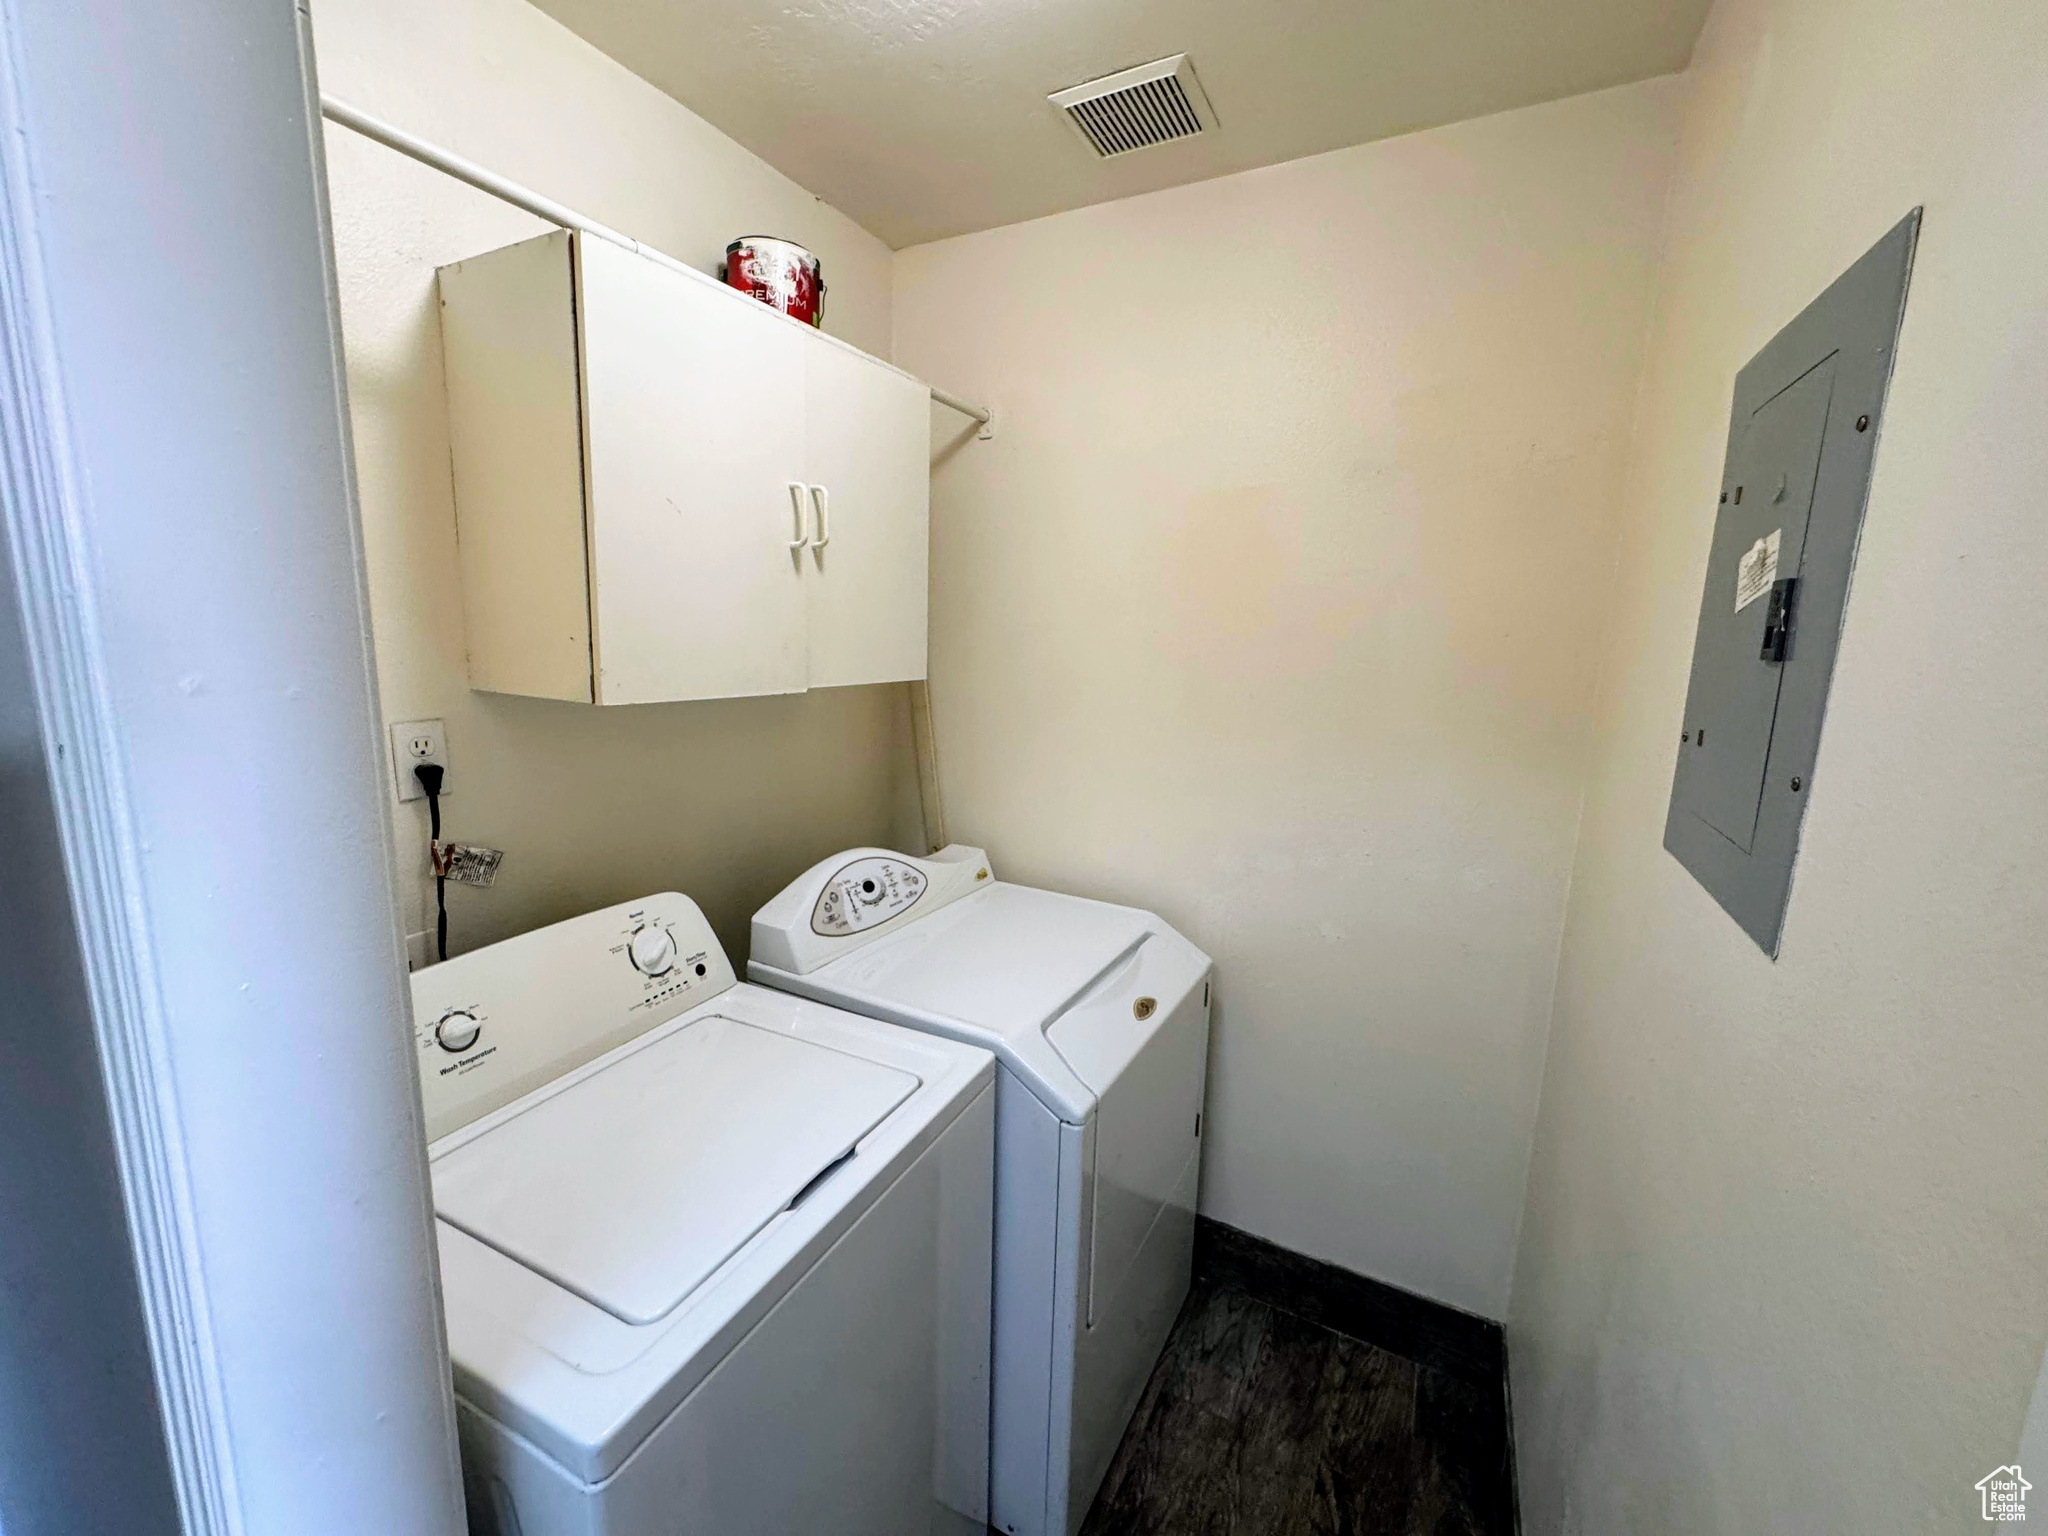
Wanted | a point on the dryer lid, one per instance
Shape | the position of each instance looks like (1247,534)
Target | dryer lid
(1008,959)
(630,1187)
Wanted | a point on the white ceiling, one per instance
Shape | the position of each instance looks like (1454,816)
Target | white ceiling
(928,118)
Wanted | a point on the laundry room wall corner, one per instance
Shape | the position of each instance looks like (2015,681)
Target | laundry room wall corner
(1783,1264)
(1272,608)
(586,802)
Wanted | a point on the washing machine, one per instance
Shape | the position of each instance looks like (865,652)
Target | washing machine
(715,1259)
(1099,1019)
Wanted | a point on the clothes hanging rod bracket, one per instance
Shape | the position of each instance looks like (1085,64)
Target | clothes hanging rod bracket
(391,137)
(984,414)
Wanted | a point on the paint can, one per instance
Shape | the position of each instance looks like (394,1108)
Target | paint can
(780,273)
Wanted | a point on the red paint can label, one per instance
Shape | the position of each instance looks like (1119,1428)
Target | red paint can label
(780,273)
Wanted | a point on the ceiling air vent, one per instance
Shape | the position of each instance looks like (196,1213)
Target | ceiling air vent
(1153,104)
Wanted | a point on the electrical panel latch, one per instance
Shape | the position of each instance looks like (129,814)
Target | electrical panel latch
(1778,620)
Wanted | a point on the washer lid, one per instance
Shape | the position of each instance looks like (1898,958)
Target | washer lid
(631,1186)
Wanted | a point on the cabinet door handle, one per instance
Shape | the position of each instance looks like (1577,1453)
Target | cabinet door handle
(796,507)
(822,531)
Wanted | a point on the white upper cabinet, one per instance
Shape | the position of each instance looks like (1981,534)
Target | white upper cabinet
(868,452)
(515,436)
(665,491)
(693,419)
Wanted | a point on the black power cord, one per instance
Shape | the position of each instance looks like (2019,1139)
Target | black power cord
(429,775)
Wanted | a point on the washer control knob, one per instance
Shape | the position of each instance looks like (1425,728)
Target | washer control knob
(457,1030)
(653,951)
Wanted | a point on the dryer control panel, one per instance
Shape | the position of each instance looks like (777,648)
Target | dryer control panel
(866,894)
(500,1021)
(857,896)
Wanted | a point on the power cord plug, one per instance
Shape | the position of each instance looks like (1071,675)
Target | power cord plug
(429,775)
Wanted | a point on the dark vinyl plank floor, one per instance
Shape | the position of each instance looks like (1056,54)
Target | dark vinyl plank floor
(1260,1422)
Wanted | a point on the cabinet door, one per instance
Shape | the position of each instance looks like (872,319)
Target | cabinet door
(693,434)
(869,448)
(515,444)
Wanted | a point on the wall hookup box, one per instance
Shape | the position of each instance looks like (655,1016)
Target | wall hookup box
(1801,441)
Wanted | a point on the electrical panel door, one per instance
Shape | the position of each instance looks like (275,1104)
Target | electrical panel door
(1733,702)
(1801,442)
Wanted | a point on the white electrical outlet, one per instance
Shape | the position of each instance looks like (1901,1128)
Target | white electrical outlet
(414,742)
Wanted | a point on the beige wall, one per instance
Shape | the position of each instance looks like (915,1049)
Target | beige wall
(725,801)
(1784,1266)
(1273,607)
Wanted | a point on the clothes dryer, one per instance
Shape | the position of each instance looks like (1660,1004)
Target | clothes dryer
(1099,1019)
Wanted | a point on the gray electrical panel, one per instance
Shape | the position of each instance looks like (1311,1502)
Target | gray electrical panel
(1800,445)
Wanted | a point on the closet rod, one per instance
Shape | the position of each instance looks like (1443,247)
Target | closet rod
(546,208)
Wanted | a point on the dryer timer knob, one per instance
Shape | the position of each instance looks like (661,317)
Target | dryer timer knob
(653,951)
(457,1030)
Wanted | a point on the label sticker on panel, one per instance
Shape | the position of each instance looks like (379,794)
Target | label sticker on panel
(1759,569)
(865,893)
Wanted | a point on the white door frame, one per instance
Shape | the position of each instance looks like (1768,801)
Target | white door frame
(182,536)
